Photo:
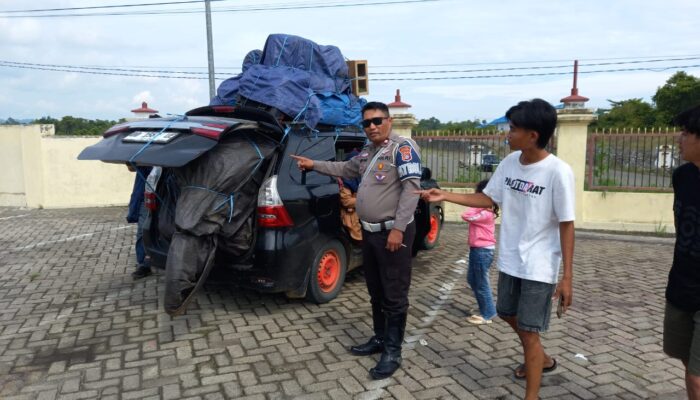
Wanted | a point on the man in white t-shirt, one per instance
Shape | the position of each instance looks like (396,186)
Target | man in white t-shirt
(535,191)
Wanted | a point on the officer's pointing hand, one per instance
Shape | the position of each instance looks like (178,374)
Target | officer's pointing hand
(303,163)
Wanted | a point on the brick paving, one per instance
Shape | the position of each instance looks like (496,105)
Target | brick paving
(73,325)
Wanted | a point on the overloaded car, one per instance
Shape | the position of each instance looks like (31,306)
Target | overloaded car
(227,196)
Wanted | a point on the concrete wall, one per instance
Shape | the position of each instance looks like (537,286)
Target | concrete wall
(42,171)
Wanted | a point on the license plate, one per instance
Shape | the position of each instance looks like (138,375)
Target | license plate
(151,136)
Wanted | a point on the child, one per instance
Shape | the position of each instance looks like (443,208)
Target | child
(482,243)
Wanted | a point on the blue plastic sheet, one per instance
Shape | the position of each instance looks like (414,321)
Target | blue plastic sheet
(304,80)
(227,93)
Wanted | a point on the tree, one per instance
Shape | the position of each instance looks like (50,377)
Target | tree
(78,126)
(632,113)
(430,124)
(10,121)
(680,92)
(434,124)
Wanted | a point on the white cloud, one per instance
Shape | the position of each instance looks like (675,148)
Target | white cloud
(138,98)
(444,32)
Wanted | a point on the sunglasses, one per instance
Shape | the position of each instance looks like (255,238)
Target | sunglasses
(376,121)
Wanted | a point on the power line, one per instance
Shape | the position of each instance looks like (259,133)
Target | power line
(529,61)
(533,67)
(300,6)
(110,6)
(440,78)
(78,68)
(237,69)
(149,75)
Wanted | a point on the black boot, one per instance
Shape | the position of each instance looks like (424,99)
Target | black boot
(376,343)
(391,357)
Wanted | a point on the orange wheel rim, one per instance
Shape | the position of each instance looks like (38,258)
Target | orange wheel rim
(434,226)
(328,271)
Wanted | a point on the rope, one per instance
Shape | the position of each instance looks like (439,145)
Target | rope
(230,197)
(145,146)
(277,63)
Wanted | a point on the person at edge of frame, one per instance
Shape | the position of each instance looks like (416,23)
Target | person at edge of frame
(682,314)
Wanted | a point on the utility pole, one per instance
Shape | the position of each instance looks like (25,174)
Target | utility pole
(210,50)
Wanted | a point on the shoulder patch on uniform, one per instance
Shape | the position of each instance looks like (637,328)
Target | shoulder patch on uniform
(408,161)
(406,153)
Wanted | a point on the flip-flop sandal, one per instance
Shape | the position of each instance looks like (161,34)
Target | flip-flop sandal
(519,372)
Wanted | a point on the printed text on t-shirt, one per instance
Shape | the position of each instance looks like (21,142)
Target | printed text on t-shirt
(525,187)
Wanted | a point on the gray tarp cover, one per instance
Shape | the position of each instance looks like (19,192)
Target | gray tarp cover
(228,175)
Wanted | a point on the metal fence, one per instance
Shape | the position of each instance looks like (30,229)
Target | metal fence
(463,158)
(631,159)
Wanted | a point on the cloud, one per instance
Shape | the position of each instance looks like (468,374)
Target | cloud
(141,97)
(443,32)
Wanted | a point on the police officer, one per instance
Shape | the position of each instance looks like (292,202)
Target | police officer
(390,169)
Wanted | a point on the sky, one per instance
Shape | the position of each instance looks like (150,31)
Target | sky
(406,40)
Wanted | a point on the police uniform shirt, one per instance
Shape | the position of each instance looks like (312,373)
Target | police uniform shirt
(390,175)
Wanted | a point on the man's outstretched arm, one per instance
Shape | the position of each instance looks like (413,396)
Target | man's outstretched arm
(477,200)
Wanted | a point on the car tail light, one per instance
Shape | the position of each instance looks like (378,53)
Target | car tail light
(211,131)
(115,129)
(150,198)
(271,210)
(150,201)
(224,109)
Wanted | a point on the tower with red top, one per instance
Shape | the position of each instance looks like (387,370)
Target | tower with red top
(403,120)
(143,112)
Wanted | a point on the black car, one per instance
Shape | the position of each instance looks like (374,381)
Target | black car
(489,162)
(298,245)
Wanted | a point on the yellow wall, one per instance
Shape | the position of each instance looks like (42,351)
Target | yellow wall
(75,183)
(12,181)
(42,171)
(647,212)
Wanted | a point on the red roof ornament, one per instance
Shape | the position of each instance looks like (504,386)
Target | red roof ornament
(144,109)
(397,101)
(574,97)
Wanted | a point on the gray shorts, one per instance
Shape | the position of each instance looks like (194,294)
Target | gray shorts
(529,301)
(682,336)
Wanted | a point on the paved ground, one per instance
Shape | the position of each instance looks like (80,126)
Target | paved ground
(74,325)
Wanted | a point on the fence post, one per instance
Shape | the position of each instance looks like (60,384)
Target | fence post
(572,135)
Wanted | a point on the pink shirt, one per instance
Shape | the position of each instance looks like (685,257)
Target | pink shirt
(482,224)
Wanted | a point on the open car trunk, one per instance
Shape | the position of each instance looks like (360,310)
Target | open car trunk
(218,163)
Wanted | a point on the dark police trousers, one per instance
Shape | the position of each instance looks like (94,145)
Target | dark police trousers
(388,277)
(388,274)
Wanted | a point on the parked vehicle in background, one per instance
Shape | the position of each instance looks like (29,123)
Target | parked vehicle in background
(489,162)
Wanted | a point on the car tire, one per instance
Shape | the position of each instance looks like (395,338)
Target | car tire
(327,273)
(430,241)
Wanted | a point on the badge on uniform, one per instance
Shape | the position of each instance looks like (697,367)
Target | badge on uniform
(380,166)
(379,176)
(406,153)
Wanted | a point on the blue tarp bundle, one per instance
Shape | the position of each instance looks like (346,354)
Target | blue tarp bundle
(302,79)
(227,92)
